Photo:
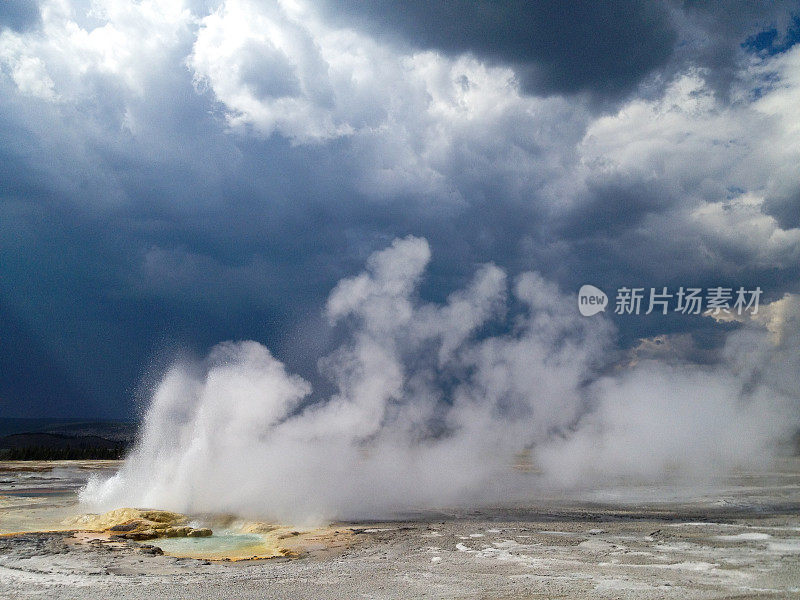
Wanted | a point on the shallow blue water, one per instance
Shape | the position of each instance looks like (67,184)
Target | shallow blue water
(217,544)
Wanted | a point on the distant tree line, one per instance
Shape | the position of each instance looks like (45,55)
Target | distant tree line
(74,453)
(54,446)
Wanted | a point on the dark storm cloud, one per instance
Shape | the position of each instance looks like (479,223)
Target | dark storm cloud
(715,33)
(137,217)
(556,47)
(604,48)
(614,206)
(785,208)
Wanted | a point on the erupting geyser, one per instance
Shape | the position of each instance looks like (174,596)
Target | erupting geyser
(237,434)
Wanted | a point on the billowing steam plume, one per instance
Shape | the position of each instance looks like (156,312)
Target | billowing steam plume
(431,410)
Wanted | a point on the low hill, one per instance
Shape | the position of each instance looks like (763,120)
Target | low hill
(62,440)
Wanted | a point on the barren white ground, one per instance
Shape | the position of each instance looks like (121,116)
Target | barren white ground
(738,538)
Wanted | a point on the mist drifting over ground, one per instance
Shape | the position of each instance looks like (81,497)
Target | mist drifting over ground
(430,410)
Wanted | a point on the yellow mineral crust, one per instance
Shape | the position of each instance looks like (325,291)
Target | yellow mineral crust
(138,524)
(121,516)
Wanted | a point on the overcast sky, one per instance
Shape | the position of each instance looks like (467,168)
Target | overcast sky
(175,174)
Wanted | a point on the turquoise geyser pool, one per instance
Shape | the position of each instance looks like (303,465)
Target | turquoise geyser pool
(223,544)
